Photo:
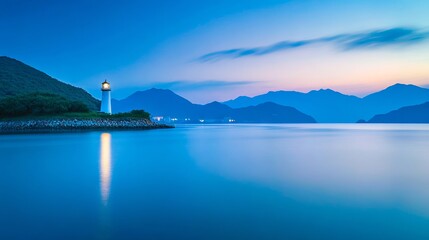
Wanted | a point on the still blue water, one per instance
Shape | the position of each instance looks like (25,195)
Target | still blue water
(218,182)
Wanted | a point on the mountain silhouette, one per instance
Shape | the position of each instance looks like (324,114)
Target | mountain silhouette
(411,114)
(394,97)
(326,105)
(160,102)
(17,78)
(270,113)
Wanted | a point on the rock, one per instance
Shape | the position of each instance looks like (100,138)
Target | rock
(75,124)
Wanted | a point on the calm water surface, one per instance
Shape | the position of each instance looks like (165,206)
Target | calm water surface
(218,182)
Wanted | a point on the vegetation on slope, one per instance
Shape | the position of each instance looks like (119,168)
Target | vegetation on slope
(53,106)
(39,104)
(17,78)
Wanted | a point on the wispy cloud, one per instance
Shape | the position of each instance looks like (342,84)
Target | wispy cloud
(351,41)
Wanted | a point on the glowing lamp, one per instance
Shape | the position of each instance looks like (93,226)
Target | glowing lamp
(105,86)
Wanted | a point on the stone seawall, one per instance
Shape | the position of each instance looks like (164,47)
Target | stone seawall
(76,124)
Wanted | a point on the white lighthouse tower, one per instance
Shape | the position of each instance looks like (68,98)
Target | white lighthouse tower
(106,105)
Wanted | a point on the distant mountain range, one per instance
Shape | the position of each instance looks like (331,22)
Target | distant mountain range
(330,106)
(412,114)
(323,105)
(165,103)
(395,104)
(18,78)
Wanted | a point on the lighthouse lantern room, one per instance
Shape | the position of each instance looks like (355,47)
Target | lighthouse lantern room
(106,106)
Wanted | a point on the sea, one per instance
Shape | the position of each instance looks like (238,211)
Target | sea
(238,181)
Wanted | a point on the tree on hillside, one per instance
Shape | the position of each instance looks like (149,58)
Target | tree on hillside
(39,104)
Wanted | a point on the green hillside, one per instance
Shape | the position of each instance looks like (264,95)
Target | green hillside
(17,78)
(33,104)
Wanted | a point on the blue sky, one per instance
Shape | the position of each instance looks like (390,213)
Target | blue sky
(351,46)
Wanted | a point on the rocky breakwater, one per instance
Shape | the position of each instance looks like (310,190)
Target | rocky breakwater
(13,126)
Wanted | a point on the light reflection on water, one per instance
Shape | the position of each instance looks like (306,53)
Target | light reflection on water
(105,166)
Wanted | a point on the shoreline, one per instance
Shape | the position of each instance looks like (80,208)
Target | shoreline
(76,125)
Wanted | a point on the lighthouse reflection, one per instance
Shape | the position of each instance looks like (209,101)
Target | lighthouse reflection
(105,166)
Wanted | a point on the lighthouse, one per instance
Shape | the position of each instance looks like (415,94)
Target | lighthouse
(106,106)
